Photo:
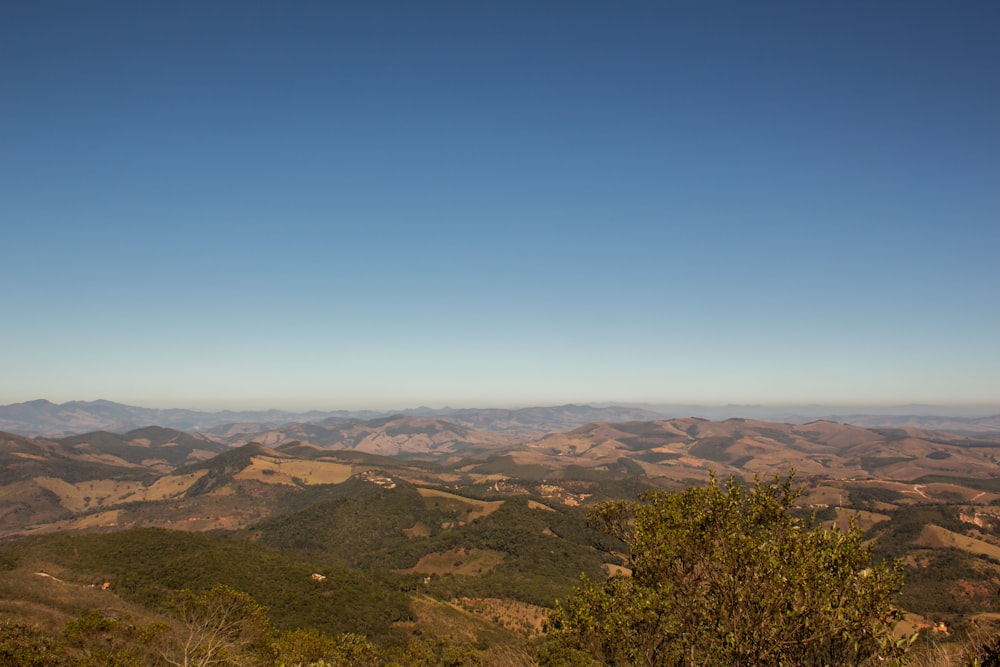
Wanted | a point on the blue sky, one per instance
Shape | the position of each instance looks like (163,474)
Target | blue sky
(386,204)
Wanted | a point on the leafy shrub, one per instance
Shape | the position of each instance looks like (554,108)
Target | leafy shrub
(726,575)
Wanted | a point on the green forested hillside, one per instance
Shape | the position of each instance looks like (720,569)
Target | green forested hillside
(544,551)
(146,565)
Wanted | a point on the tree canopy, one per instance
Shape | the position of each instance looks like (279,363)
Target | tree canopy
(728,574)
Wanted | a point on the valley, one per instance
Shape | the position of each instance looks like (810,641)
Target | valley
(418,533)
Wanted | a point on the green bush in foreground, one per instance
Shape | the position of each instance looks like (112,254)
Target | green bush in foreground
(728,575)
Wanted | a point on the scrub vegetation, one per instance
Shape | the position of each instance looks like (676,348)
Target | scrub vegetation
(611,544)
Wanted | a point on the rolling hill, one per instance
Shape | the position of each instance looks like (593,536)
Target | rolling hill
(106,479)
(428,519)
(388,436)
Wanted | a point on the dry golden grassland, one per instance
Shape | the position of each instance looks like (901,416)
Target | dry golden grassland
(535,505)
(950,492)
(461,561)
(93,494)
(443,621)
(861,518)
(937,537)
(511,614)
(477,509)
(295,472)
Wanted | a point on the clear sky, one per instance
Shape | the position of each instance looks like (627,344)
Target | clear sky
(386,204)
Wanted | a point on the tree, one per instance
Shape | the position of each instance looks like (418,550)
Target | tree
(729,575)
(114,641)
(223,627)
(24,645)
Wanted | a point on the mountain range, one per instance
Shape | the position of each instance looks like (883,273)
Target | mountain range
(46,419)
(416,524)
(100,476)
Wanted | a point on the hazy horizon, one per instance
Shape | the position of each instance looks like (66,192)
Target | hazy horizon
(697,409)
(391,204)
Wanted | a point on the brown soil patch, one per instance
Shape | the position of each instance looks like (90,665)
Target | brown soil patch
(614,570)
(419,529)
